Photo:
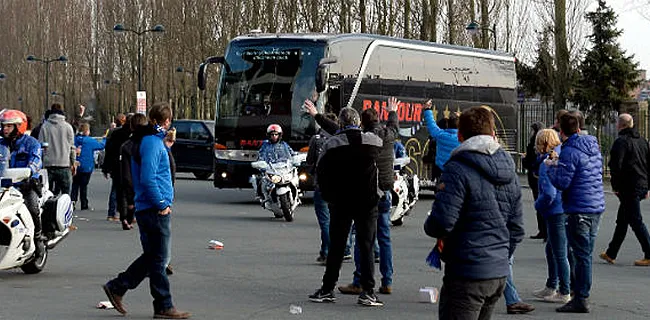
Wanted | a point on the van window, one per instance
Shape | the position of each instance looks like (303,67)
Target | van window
(182,130)
(198,131)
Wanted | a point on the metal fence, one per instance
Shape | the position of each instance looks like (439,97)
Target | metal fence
(545,113)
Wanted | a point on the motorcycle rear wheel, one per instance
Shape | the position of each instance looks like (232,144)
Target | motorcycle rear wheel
(285,205)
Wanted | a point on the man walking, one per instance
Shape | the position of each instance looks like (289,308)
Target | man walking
(628,165)
(347,178)
(154,194)
(578,174)
(478,217)
(111,167)
(60,155)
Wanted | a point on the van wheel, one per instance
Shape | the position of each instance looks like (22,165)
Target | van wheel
(35,266)
(202,175)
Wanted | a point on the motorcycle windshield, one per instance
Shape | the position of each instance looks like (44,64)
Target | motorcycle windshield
(281,167)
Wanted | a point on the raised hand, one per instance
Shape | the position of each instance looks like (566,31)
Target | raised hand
(428,104)
(393,104)
(310,108)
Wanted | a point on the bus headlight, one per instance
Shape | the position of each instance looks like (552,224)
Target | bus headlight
(303,177)
(224,175)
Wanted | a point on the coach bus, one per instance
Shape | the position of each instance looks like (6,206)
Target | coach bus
(265,79)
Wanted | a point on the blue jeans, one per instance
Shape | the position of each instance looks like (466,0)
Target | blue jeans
(582,231)
(510,292)
(383,239)
(557,254)
(112,198)
(323,216)
(155,232)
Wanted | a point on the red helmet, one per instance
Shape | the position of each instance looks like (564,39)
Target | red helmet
(14,117)
(274,128)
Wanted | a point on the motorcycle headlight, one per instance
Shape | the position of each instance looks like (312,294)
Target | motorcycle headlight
(276,179)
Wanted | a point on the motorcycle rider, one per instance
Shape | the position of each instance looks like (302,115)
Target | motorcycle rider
(25,153)
(273,150)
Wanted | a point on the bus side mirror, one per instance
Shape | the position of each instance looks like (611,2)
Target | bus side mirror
(321,73)
(202,76)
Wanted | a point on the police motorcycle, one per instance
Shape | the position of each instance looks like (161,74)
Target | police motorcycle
(405,192)
(17,245)
(279,185)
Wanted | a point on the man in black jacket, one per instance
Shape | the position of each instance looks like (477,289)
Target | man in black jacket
(347,178)
(387,133)
(628,165)
(111,167)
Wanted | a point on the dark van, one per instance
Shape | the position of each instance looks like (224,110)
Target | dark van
(193,150)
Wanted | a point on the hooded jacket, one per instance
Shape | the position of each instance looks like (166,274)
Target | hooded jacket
(628,163)
(446,139)
(87,156)
(59,136)
(151,171)
(478,211)
(579,175)
(387,133)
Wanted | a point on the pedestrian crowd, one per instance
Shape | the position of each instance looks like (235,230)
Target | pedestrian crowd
(476,218)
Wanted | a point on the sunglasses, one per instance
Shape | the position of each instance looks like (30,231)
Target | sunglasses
(274,134)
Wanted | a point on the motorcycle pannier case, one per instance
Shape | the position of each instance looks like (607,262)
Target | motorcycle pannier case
(57,213)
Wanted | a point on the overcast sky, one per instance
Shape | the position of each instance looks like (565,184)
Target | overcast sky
(635,28)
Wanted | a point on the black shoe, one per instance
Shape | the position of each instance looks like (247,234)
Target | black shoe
(575,306)
(539,235)
(520,308)
(322,260)
(169,271)
(39,251)
(368,298)
(322,296)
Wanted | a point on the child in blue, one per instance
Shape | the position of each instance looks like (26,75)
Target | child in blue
(86,159)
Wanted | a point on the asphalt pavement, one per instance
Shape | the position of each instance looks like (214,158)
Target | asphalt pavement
(267,265)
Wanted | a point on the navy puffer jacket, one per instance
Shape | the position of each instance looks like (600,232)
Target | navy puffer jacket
(579,175)
(478,211)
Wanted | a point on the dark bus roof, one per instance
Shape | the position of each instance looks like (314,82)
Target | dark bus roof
(331,37)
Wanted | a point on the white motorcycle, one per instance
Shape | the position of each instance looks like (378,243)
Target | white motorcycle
(405,192)
(17,246)
(279,183)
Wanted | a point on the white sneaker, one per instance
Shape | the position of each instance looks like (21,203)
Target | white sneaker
(544,292)
(558,298)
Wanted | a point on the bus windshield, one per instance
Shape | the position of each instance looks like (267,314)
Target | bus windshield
(266,81)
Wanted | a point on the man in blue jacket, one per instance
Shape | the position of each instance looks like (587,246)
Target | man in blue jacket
(478,216)
(579,175)
(446,139)
(86,159)
(154,194)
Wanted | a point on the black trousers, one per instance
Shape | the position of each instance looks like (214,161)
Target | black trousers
(534,187)
(80,188)
(31,202)
(365,221)
(464,299)
(629,214)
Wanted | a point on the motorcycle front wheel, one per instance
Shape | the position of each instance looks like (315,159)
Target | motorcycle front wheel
(36,265)
(285,205)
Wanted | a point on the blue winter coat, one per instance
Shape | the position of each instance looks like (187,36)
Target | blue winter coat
(579,175)
(446,139)
(549,200)
(275,152)
(25,153)
(478,211)
(151,174)
(88,147)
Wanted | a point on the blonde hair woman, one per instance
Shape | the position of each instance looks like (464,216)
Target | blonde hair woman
(549,203)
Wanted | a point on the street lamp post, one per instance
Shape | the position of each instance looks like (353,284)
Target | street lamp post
(46,61)
(473,28)
(157,29)
(3,77)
